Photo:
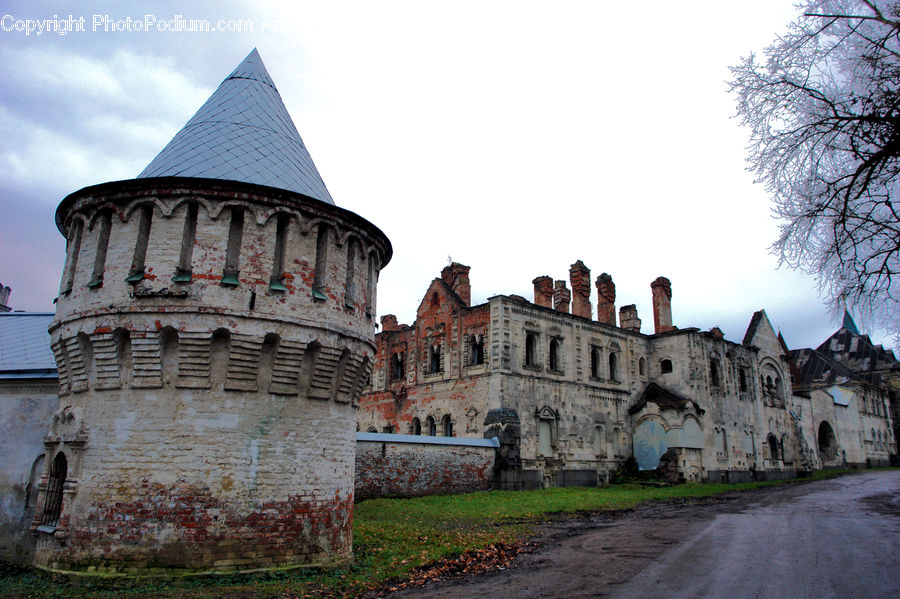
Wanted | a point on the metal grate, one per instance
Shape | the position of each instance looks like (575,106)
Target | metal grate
(53,500)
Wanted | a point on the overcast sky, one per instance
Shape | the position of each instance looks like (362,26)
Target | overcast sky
(514,137)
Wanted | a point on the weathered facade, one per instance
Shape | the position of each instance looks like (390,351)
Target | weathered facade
(212,335)
(571,397)
(27,402)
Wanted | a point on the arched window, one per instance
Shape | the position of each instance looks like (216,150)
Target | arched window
(350,283)
(416,427)
(554,355)
(447,425)
(276,281)
(742,379)
(37,467)
(183,271)
(430,425)
(371,429)
(102,246)
(599,441)
(642,367)
(779,391)
(73,248)
(233,250)
(320,282)
(54,496)
(665,366)
(721,442)
(773,447)
(595,362)
(139,257)
(530,350)
(613,367)
(545,438)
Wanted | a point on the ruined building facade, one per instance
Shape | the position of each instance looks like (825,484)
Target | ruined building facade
(214,329)
(571,395)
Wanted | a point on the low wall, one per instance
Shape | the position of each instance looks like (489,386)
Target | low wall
(413,465)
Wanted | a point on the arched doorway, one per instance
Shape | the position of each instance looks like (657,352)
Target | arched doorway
(828,449)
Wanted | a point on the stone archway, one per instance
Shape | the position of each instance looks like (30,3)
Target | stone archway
(827,443)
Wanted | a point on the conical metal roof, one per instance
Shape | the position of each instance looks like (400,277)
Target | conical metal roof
(242,133)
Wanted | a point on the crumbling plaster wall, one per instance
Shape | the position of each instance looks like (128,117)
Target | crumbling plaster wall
(26,406)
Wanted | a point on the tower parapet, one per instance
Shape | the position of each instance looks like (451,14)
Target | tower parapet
(213,334)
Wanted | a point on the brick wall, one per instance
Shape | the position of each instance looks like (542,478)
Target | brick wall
(408,465)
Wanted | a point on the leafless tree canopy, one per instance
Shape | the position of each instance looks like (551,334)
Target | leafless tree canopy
(824,113)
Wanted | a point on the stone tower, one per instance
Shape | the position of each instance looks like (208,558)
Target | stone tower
(214,329)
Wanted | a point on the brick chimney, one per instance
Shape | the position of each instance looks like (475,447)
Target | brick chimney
(543,291)
(457,278)
(606,300)
(561,297)
(580,278)
(662,305)
(389,323)
(628,318)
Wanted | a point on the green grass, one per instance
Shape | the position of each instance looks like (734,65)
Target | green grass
(392,538)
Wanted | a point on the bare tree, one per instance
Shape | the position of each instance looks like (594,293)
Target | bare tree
(823,108)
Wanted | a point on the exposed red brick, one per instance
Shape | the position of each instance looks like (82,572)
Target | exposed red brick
(662,305)
(580,279)
(606,299)
(543,291)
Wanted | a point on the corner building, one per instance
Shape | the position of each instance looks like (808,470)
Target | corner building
(214,330)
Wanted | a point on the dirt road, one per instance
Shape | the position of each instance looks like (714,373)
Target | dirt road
(836,538)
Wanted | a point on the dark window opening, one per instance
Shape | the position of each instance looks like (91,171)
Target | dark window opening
(447,426)
(319,281)
(476,350)
(372,284)
(184,270)
(434,358)
(416,427)
(642,367)
(276,283)
(742,379)
(233,253)
(136,274)
(554,355)
(613,367)
(714,373)
(54,497)
(398,370)
(102,247)
(665,366)
(773,447)
(431,426)
(74,244)
(530,350)
(595,362)
(350,284)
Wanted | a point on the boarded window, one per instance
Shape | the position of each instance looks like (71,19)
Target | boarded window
(544,438)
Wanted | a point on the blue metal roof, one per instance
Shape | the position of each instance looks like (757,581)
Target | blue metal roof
(25,345)
(242,133)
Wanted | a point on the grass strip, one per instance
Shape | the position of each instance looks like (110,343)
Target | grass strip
(395,539)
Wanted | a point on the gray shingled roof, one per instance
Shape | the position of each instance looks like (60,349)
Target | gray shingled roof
(25,344)
(242,133)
